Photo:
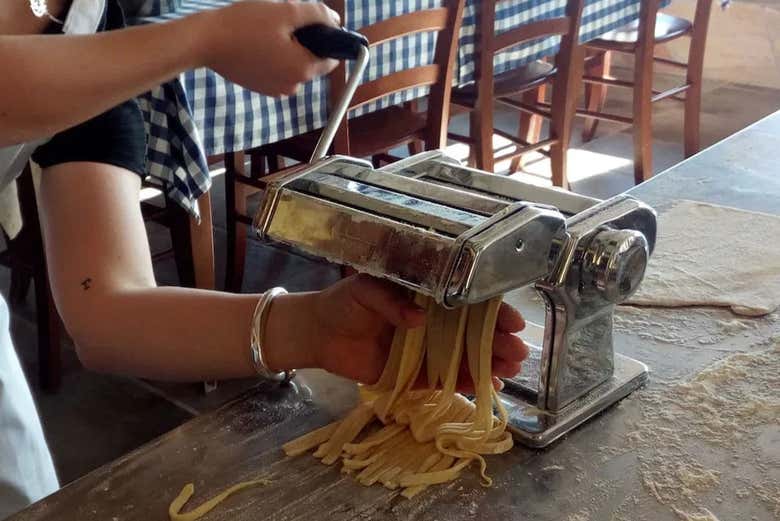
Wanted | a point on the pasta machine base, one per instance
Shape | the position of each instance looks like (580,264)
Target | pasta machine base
(538,428)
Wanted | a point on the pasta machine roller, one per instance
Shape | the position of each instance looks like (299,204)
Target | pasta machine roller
(462,236)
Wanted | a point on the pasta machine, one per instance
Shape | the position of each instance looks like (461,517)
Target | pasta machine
(462,236)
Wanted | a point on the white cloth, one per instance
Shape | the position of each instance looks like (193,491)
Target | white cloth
(10,211)
(26,469)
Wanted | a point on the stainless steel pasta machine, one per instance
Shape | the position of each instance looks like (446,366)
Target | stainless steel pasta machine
(462,236)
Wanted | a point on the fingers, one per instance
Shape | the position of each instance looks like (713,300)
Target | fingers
(509,319)
(386,299)
(311,66)
(467,387)
(334,16)
(509,347)
(506,369)
(509,352)
(322,67)
(303,66)
(308,13)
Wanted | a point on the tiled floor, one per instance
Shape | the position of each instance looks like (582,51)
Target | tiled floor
(96,418)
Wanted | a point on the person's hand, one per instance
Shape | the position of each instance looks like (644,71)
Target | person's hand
(251,43)
(353,321)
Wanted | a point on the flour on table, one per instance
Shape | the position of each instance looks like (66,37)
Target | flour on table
(722,409)
(709,255)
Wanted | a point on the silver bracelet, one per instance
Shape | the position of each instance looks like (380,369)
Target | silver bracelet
(41,9)
(259,320)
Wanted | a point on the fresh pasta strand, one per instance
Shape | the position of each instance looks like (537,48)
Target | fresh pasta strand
(309,441)
(174,511)
(426,436)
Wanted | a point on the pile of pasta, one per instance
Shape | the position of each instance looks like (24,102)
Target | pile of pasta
(410,438)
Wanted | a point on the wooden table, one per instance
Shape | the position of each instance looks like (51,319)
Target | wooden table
(596,472)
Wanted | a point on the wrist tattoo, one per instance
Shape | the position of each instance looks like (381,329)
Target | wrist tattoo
(86,283)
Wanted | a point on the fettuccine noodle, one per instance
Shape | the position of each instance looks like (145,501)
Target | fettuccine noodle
(175,513)
(409,438)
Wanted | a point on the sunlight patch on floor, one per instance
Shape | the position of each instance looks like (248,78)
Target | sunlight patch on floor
(536,169)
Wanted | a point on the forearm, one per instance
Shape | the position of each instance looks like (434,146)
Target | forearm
(51,82)
(180,334)
(102,280)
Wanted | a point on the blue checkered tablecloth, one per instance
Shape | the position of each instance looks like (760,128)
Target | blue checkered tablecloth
(201,114)
(159,7)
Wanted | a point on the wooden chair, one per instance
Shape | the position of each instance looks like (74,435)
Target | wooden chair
(529,80)
(371,135)
(640,38)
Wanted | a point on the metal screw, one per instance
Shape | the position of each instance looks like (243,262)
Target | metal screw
(519,245)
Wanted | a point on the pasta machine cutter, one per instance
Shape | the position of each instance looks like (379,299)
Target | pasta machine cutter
(462,236)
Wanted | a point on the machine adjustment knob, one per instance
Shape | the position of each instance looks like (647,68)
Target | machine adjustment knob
(615,262)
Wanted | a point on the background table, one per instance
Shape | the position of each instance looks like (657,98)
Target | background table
(590,474)
(202,107)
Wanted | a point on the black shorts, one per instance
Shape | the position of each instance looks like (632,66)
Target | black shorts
(116,137)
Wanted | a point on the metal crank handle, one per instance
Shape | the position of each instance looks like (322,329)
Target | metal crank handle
(340,44)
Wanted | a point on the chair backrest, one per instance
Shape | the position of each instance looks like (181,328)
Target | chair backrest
(445,21)
(491,43)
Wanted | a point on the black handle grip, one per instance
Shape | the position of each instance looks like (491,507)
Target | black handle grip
(325,41)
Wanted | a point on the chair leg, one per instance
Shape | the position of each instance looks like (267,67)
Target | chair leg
(202,244)
(471,160)
(415,146)
(182,244)
(596,94)
(29,248)
(530,129)
(643,92)
(275,163)
(694,77)
(49,334)
(558,165)
(643,141)
(643,125)
(20,285)
(692,120)
(481,129)
(564,107)
(235,204)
